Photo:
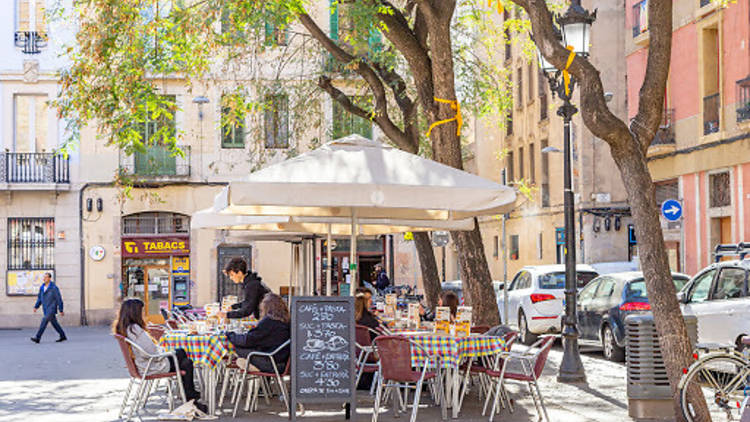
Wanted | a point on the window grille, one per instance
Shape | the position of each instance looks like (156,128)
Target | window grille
(31,243)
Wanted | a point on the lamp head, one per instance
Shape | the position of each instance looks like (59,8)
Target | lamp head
(576,27)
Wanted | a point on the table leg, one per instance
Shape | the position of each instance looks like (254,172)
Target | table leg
(455,384)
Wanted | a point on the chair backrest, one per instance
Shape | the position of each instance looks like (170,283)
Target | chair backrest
(362,335)
(395,356)
(127,354)
(173,324)
(480,329)
(541,355)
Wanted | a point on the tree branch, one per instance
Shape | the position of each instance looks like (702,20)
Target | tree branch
(368,74)
(404,102)
(405,40)
(651,97)
(595,112)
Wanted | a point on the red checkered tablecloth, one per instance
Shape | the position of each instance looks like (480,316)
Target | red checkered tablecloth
(452,350)
(201,349)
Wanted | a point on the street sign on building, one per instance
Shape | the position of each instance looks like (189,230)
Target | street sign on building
(671,209)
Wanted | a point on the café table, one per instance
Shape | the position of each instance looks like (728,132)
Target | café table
(453,351)
(206,351)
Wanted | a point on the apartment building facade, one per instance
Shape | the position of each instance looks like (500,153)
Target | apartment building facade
(71,216)
(525,151)
(701,155)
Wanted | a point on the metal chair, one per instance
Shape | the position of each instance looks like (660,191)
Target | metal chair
(532,363)
(395,372)
(143,381)
(487,362)
(279,377)
(367,361)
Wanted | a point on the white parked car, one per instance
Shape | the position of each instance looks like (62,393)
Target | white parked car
(535,299)
(718,297)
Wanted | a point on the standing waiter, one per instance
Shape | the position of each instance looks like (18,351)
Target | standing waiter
(251,285)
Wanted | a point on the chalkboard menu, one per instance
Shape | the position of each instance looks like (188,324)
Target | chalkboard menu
(323,354)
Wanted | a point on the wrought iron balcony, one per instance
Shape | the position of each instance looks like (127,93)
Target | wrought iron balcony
(157,163)
(743,99)
(34,168)
(665,134)
(711,112)
(31,42)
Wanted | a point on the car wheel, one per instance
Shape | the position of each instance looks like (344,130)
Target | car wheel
(527,337)
(611,350)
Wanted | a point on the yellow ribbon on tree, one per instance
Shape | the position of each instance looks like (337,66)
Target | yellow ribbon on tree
(459,120)
(565,73)
(499,6)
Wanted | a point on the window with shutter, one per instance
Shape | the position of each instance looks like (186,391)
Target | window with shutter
(276,121)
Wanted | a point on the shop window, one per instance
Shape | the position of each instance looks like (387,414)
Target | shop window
(31,243)
(276,119)
(514,247)
(155,223)
(721,195)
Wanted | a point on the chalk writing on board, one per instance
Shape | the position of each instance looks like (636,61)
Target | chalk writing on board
(323,354)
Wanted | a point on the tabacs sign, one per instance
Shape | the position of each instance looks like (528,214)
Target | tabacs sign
(161,246)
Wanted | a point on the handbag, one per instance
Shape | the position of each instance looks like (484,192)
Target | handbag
(186,412)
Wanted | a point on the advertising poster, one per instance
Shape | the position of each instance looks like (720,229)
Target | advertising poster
(25,283)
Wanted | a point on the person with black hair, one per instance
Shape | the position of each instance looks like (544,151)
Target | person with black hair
(252,286)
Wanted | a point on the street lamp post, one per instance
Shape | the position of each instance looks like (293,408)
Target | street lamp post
(575,26)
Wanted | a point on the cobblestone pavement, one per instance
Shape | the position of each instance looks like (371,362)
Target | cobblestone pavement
(84,379)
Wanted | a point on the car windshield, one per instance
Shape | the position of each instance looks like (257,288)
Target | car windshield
(637,289)
(557,280)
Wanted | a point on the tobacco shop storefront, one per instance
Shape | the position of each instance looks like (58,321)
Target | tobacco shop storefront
(156,269)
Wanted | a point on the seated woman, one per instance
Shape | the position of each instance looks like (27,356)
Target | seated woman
(447,298)
(272,331)
(129,323)
(362,313)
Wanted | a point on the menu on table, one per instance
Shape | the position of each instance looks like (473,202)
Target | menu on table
(463,321)
(323,350)
(443,320)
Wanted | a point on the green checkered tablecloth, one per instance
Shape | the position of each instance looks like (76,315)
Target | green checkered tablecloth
(453,350)
(201,349)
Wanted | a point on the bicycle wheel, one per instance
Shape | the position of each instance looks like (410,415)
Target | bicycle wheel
(722,378)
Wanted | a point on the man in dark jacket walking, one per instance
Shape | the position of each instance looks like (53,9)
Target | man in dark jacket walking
(381,280)
(50,300)
(251,285)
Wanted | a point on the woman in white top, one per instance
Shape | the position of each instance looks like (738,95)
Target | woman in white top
(129,323)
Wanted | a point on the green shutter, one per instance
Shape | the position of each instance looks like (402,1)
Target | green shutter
(334,19)
(374,41)
(269,33)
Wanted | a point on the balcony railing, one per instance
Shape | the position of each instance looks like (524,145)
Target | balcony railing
(743,99)
(711,108)
(33,167)
(156,162)
(31,42)
(665,134)
(638,29)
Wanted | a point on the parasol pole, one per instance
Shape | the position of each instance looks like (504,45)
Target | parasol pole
(328,261)
(353,255)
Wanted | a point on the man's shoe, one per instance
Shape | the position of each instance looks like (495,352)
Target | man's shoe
(35,340)
(61,339)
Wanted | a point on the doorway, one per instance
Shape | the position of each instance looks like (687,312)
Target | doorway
(721,233)
(227,287)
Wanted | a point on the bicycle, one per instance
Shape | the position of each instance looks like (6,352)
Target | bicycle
(723,376)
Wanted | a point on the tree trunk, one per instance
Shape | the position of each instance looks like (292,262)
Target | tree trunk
(446,148)
(476,278)
(673,339)
(428,265)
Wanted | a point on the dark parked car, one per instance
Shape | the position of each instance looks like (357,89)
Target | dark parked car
(605,302)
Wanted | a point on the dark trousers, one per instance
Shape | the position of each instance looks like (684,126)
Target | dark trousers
(186,365)
(46,320)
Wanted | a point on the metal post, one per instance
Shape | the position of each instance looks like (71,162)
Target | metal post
(505,262)
(571,367)
(328,261)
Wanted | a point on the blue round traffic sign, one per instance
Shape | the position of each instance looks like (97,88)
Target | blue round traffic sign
(671,209)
